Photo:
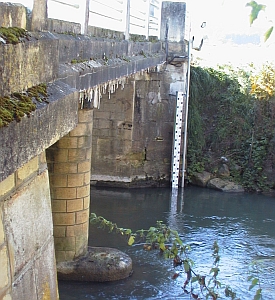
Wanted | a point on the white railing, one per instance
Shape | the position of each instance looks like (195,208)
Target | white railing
(154,17)
(108,14)
(141,17)
(68,10)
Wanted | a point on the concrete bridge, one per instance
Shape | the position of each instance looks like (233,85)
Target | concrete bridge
(104,114)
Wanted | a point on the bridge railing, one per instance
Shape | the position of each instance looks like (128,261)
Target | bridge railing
(109,15)
(140,17)
(68,10)
(154,17)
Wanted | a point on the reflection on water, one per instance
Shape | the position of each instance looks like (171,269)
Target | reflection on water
(242,224)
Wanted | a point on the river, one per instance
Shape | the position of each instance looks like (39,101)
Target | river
(242,224)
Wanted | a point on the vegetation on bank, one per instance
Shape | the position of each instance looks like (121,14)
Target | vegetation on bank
(232,115)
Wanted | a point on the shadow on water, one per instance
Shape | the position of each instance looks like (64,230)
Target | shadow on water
(243,225)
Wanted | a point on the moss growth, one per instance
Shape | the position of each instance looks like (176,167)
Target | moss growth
(138,38)
(136,159)
(153,39)
(125,58)
(13,35)
(78,60)
(38,92)
(17,105)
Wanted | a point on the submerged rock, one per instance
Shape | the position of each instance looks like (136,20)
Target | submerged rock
(99,264)
(225,185)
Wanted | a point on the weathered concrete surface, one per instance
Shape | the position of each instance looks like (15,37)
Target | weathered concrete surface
(173,14)
(47,57)
(172,29)
(13,15)
(61,26)
(105,33)
(99,264)
(225,185)
(28,64)
(89,74)
(26,139)
(39,15)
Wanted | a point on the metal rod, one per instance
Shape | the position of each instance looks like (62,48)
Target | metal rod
(132,16)
(186,113)
(141,26)
(127,29)
(86,20)
(68,4)
(106,5)
(139,11)
(108,17)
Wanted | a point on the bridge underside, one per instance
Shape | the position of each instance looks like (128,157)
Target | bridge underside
(107,120)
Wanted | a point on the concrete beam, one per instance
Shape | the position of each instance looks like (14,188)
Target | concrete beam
(28,63)
(22,141)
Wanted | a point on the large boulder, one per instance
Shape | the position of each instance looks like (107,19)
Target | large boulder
(201,179)
(99,264)
(224,171)
(225,185)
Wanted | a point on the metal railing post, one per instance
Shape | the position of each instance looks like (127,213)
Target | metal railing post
(127,29)
(86,19)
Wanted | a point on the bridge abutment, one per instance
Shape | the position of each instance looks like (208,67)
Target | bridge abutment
(69,162)
(27,259)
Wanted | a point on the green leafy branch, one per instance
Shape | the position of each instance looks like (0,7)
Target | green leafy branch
(256,8)
(169,243)
(255,283)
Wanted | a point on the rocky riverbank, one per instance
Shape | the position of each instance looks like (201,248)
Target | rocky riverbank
(220,181)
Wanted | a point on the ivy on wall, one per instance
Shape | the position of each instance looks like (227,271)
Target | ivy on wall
(232,115)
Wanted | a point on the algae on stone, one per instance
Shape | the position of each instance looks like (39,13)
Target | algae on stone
(17,105)
(13,35)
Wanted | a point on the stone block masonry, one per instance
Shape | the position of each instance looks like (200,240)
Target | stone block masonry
(27,257)
(133,132)
(69,162)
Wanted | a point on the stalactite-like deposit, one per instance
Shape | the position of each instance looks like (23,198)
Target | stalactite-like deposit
(90,98)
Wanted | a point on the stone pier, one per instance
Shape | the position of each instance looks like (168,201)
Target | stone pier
(69,162)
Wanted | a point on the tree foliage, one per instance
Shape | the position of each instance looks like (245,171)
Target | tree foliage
(263,82)
(227,119)
(256,8)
